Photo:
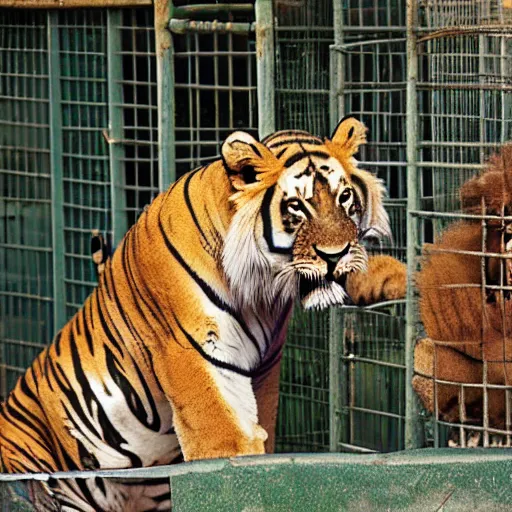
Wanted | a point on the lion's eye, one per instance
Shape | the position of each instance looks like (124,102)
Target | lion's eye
(345,195)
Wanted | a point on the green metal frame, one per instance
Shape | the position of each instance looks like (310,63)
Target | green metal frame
(115,126)
(265,67)
(165,88)
(56,163)
(416,480)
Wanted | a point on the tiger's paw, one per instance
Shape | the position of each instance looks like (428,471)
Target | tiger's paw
(385,279)
(226,448)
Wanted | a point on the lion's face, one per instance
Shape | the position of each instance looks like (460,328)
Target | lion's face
(499,269)
(299,233)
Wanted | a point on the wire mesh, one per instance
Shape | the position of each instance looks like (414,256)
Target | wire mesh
(370,56)
(56,105)
(372,88)
(461,14)
(464,112)
(138,101)
(303,34)
(26,289)
(215,88)
(373,379)
(382,16)
(303,422)
(82,63)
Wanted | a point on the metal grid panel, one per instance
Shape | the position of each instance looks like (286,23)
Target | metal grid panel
(374,90)
(465,106)
(464,112)
(373,15)
(372,362)
(439,14)
(368,71)
(139,107)
(370,68)
(215,92)
(78,119)
(26,288)
(85,159)
(303,423)
(303,35)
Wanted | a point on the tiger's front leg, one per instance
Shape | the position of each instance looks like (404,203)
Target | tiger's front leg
(214,409)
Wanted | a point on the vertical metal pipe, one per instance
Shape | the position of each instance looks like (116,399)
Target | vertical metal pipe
(115,126)
(165,94)
(265,67)
(336,92)
(335,330)
(412,421)
(485,423)
(335,315)
(56,166)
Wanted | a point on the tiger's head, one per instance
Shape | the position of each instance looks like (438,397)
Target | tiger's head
(302,207)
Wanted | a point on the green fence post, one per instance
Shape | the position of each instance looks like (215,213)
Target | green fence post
(265,59)
(56,170)
(115,126)
(413,432)
(335,330)
(336,103)
(165,94)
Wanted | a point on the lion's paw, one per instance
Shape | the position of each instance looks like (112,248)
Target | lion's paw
(385,279)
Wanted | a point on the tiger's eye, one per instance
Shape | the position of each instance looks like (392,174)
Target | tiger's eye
(345,195)
(294,206)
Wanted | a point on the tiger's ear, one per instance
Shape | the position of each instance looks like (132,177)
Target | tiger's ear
(346,139)
(349,135)
(252,167)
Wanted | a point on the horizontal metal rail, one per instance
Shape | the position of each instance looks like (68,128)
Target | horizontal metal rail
(209,27)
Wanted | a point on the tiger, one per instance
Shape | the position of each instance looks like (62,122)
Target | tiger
(175,355)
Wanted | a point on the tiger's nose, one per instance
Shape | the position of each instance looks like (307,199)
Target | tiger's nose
(331,255)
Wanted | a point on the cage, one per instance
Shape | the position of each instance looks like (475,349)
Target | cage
(461,101)
(78,153)
(96,90)
(90,134)
(355,62)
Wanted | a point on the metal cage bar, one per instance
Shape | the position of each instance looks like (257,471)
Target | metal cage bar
(412,429)
(115,126)
(56,163)
(165,90)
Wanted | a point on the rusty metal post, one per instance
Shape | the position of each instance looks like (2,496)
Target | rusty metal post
(413,434)
(265,59)
(165,93)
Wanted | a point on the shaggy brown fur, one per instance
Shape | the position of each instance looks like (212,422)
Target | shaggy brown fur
(475,322)
(466,324)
